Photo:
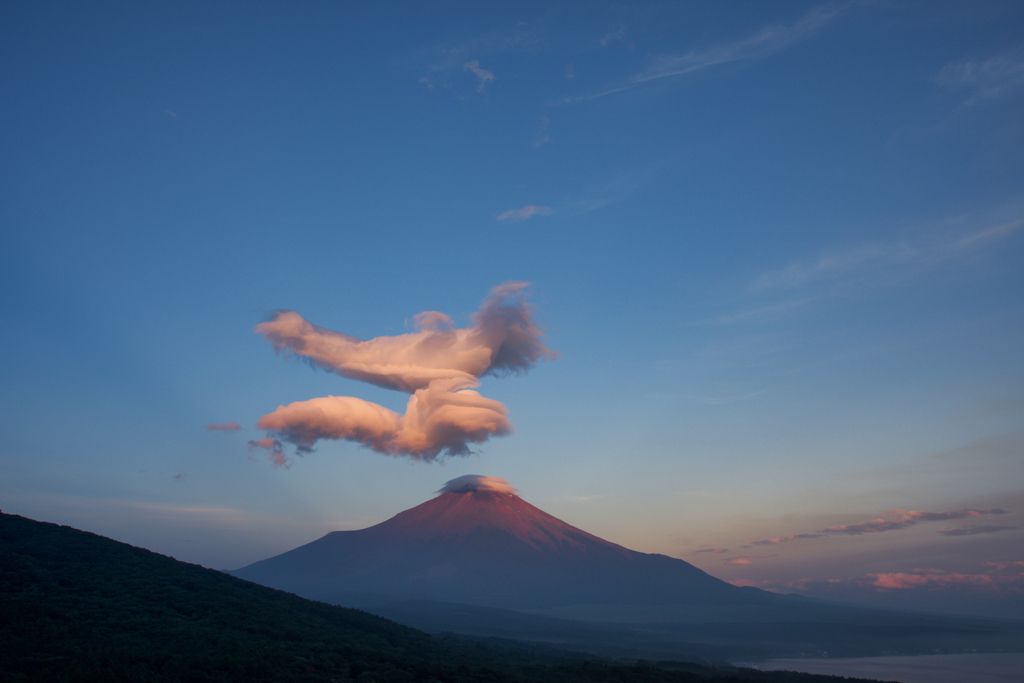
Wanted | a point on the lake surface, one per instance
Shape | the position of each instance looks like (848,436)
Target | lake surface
(961,668)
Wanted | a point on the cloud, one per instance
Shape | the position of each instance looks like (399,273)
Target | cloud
(710,550)
(444,415)
(613,37)
(277,457)
(747,559)
(539,139)
(502,339)
(987,79)
(477,482)
(876,257)
(834,266)
(975,530)
(1000,566)
(934,578)
(229,427)
(483,75)
(907,519)
(765,42)
(526,212)
(899,519)
(438,364)
(916,579)
(782,539)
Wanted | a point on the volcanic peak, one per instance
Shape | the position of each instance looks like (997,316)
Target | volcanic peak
(474,504)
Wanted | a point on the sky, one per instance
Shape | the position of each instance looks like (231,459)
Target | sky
(773,255)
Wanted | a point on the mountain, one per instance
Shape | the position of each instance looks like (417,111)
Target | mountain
(485,546)
(75,606)
(480,560)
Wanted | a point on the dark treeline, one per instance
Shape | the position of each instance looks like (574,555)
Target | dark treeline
(75,606)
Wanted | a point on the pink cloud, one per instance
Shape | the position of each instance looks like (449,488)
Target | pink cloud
(917,579)
(746,559)
(935,578)
(524,213)
(438,364)
(277,457)
(782,539)
(999,566)
(907,519)
(975,530)
(710,550)
(229,427)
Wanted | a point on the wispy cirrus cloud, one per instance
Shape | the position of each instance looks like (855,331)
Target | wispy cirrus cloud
(541,138)
(985,79)
(871,258)
(768,40)
(528,211)
(483,75)
(808,284)
(760,45)
(439,63)
(710,550)
(780,539)
(227,427)
(905,519)
(976,530)
(895,521)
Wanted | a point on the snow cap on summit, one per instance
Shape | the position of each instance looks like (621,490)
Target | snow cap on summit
(477,482)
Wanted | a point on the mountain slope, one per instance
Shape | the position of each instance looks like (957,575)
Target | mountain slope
(489,548)
(474,559)
(75,606)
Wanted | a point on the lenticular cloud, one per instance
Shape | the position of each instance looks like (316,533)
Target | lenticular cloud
(438,364)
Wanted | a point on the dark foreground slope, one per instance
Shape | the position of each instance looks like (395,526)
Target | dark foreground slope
(79,607)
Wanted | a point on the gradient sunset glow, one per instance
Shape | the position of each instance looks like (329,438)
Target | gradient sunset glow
(264,271)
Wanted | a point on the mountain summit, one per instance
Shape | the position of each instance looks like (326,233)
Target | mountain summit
(480,543)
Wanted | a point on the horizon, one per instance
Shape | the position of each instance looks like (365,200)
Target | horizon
(740,285)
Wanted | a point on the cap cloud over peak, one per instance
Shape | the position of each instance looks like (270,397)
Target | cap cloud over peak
(477,482)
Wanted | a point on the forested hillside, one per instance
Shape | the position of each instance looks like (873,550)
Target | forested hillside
(75,606)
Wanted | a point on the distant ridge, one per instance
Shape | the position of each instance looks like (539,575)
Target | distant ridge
(478,559)
(492,548)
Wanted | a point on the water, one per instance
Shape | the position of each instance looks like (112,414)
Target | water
(1002,667)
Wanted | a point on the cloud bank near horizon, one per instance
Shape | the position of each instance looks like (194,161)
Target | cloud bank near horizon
(899,519)
(438,364)
(907,519)
(996,577)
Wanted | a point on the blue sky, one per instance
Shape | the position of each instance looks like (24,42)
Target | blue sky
(777,246)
